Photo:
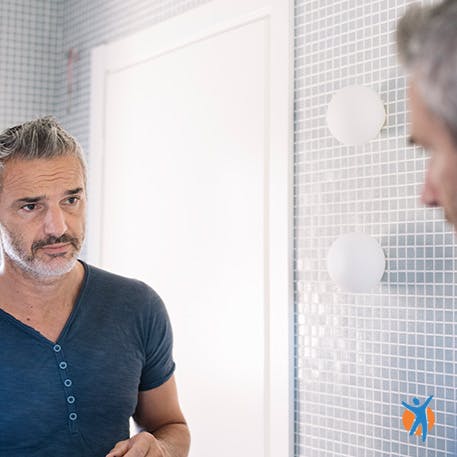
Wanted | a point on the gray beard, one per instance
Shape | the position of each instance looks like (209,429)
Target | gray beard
(29,265)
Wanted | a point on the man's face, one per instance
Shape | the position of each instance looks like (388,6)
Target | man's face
(42,214)
(427,130)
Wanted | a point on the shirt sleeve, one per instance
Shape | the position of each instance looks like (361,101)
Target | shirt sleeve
(159,365)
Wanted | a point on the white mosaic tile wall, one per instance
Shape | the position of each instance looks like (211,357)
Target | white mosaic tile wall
(358,356)
(30,43)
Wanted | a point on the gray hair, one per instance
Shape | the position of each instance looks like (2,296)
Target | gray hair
(42,138)
(427,46)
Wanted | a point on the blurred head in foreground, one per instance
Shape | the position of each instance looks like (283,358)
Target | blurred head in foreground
(427,46)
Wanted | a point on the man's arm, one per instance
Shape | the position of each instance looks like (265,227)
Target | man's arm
(165,430)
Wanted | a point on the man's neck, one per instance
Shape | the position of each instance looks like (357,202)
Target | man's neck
(19,289)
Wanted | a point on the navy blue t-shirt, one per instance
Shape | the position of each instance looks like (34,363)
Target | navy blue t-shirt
(74,398)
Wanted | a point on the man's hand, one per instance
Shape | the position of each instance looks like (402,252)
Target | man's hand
(142,445)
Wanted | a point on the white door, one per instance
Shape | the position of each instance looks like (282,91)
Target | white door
(189,175)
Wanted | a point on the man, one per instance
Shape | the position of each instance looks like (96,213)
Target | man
(82,350)
(427,44)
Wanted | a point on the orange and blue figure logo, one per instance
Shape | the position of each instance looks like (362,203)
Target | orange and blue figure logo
(417,418)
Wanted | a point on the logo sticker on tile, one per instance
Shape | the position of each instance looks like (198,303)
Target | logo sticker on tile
(418,418)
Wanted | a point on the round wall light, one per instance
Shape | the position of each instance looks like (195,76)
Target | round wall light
(356,262)
(355,115)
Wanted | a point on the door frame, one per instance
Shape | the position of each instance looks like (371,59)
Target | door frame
(197,24)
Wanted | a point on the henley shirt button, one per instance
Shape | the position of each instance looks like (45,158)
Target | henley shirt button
(57,348)
(73,416)
(71,399)
(63,365)
(67,382)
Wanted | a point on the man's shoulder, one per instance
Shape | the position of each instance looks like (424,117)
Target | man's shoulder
(115,287)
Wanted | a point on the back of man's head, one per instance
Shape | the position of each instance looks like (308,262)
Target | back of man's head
(427,45)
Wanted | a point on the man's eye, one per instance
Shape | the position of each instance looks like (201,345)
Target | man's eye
(29,208)
(72,200)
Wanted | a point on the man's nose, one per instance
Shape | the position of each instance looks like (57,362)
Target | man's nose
(55,223)
(429,196)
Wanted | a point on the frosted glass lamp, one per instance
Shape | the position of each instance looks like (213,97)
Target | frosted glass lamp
(356,262)
(355,115)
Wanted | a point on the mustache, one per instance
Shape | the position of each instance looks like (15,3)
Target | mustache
(56,240)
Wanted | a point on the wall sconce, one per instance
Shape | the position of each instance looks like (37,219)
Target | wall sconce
(356,262)
(355,115)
